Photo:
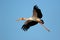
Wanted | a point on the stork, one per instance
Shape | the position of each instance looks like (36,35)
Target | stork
(35,19)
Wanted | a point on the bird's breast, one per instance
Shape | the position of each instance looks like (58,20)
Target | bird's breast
(32,18)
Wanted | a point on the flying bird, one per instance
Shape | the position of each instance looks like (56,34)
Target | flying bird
(35,19)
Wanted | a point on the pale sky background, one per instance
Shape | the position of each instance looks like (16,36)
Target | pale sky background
(11,10)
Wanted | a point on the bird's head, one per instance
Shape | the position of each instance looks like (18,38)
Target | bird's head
(42,21)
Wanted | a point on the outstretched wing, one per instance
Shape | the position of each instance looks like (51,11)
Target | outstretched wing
(28,24)
(37,12)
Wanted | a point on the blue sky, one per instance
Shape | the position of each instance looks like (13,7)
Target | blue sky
(11,10)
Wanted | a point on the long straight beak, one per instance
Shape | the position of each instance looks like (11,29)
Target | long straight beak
(39,21)
(45,27)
